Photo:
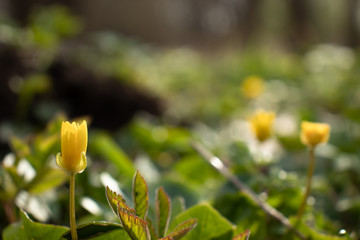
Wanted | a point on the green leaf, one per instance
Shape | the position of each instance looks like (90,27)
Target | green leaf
(210,223)
(114,200)
(27,229)
(248,216)
(140,196)
(242,236)
(166,238)
(114,235)
(134,226)
(183,228)
(14,231)
(105,146)
(94,229)
(163,211)
(46,179)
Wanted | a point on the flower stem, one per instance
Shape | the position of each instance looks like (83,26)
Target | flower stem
(308,184)
(72,207)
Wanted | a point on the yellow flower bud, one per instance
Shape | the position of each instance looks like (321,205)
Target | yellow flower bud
(252,87)
(74,138)
(314,133)
(261,124)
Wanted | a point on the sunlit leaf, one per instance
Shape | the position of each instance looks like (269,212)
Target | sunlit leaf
(140,195)
(134,226)
(163,211)
(114,200)
(183,228)
(166,238)
(242,236)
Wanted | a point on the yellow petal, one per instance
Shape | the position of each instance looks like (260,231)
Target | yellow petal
(73,146)
(82,137)
(313,133)
(261,124)
(252,86)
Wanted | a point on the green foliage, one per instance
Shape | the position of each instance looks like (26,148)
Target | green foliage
(27,229)
(141,229)
(50,25)
(105,146)
(115,200)
(183,228)
(134,226)
(94,229)
(210,224)
(242,236)
(47,178)
(205,102)
(140,195)
(163,209)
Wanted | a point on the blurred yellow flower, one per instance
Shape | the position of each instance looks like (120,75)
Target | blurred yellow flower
(74,138)
(252,86)
(314,133)
(261,124)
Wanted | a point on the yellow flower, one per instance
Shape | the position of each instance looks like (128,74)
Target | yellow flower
(314,133)
(261,124)
(252,86)
(74,138)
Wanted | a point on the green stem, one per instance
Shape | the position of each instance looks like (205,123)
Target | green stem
(308,184)
(72,207)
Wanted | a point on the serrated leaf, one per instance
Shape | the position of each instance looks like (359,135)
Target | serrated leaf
(136,227)
(243,236)
(93,229)
(114,199)
(46,179)
(140,196)
(183,228)
(27,229)
(210,223)
(163,211)
(151,228)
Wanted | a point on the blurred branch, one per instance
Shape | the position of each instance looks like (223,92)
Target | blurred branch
(9,209)
(224,170)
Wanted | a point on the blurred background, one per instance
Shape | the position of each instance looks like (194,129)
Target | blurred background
(149,76)
(290,24)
